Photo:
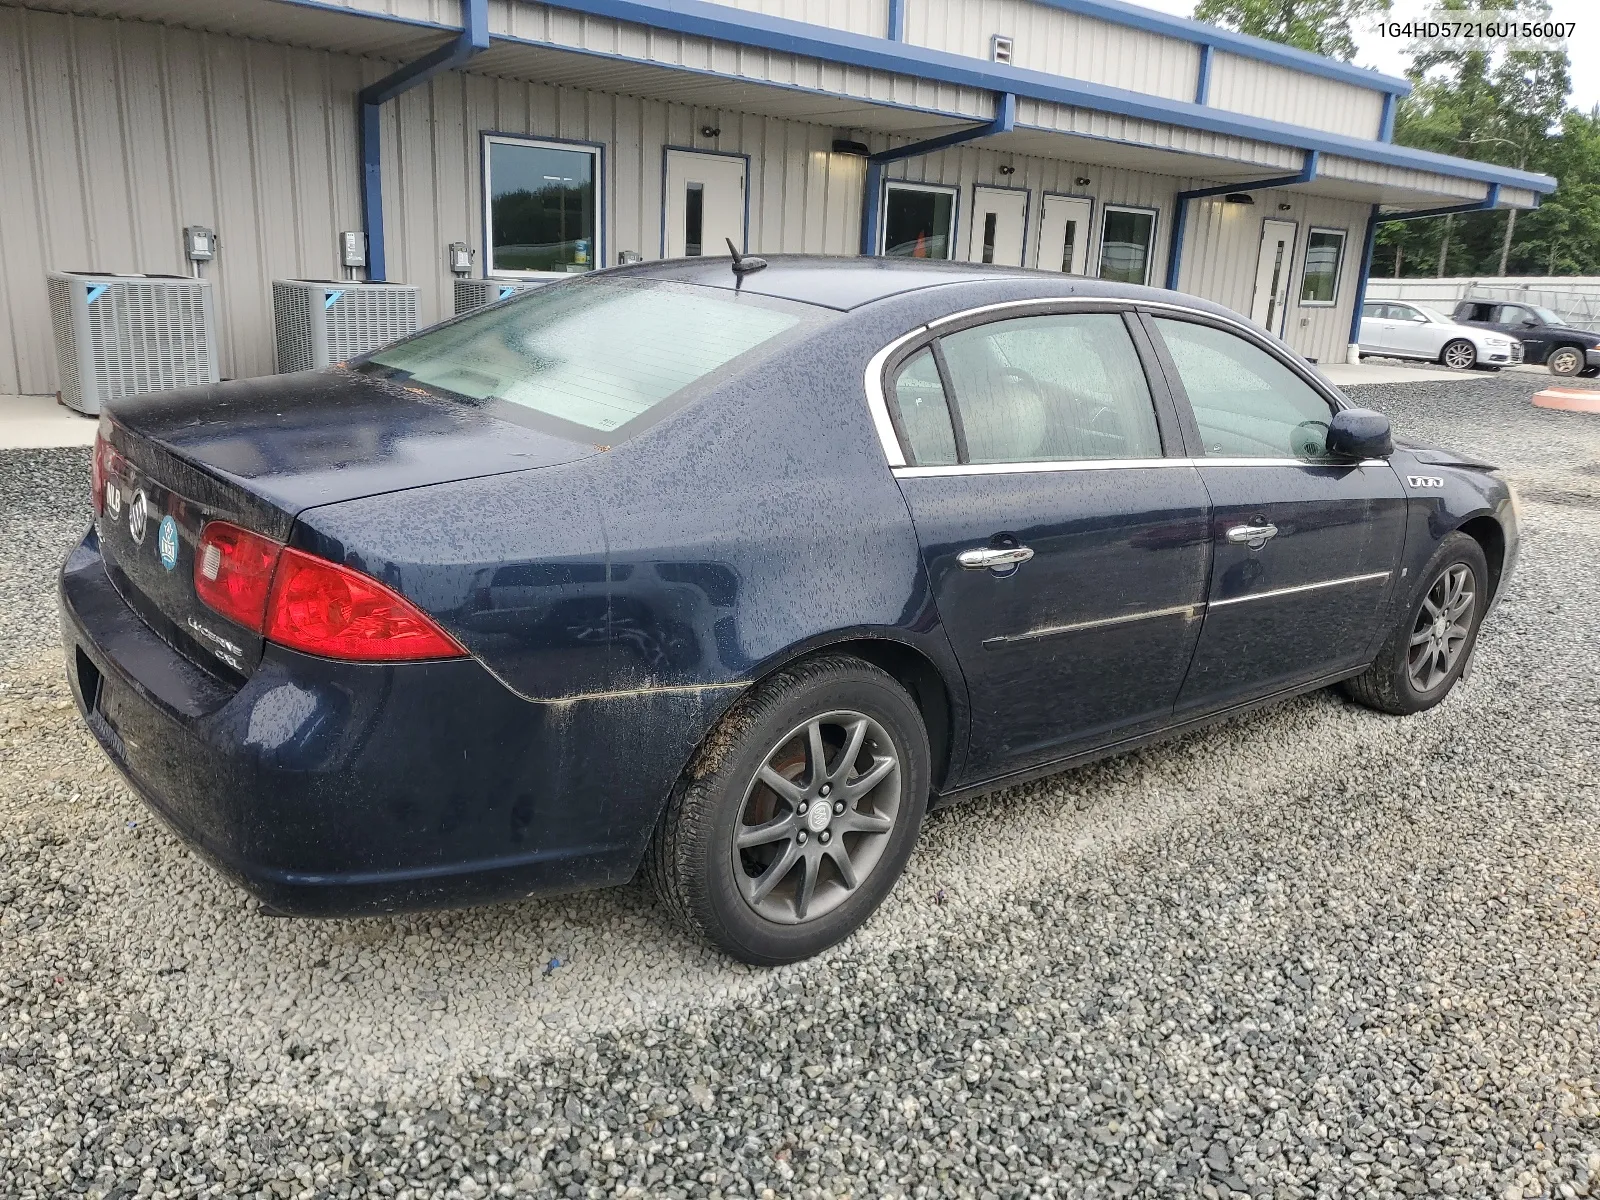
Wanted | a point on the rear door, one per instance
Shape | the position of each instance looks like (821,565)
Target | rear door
(1304,549)
(1063,533)
(1377,327)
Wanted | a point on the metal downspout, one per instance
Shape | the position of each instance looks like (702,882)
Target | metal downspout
(1005,120)
(1491,201)
(1180,216)
(473,38)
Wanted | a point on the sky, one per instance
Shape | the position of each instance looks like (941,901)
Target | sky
(1388,55)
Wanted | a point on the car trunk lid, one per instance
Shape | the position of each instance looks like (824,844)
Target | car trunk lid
(257,453)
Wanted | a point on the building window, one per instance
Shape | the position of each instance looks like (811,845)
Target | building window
(918,220)
(540,209)
(1324,256)
(1126,235)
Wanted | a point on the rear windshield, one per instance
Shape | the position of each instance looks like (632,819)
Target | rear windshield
(596,353)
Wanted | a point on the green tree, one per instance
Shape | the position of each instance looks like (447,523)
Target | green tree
(1320,26)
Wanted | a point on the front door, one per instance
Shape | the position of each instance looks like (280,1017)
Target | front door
(995,232)
(705,203)
(1272,275)
(1067,556)
(1064,235)
(1303,548)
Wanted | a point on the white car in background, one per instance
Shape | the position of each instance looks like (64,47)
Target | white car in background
(1392,329)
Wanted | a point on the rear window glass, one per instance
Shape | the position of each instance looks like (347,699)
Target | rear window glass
(593,353)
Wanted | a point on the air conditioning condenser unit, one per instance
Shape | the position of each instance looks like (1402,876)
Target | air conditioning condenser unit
(319,322)
(475,293)
(124,335)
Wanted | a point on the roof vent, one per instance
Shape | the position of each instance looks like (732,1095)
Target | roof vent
(1000,49)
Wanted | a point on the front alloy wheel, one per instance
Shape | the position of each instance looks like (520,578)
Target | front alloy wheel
(1432,638)
(1460,355)
(1443,625)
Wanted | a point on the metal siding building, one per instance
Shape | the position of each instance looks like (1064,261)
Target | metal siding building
(130,119)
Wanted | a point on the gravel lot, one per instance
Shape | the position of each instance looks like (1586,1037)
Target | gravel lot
(1362,958)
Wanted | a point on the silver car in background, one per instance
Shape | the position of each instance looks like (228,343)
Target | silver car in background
(1396,330)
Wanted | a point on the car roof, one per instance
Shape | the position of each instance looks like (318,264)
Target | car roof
(845,283)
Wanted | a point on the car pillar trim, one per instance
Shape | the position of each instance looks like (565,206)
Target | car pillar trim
(1303,587)
(1188,612)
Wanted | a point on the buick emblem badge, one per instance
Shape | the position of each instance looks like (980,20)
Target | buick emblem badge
(138,517)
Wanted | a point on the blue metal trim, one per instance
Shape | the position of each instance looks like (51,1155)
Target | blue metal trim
(696,18)
(1135,16)
(1003,121)
(601,245)
(473,38)
(666,150)
(1202,86)
(1361,278)
(897,20)
(1386,122)
(1488,202)
(1180,223)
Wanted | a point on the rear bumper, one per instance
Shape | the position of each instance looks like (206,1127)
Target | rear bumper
(337,789)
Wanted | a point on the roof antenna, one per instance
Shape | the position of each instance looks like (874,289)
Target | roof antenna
(743,264)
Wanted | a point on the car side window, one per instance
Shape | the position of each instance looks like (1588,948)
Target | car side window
(924,415)
(1247,403)
(1051,388)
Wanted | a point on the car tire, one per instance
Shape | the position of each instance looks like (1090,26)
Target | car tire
(717,859)
(1399,680)
(1459,355)
(1566,361)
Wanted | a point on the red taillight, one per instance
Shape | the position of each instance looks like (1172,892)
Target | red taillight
(310,604)
(320,607)
(233,572)
(103,469)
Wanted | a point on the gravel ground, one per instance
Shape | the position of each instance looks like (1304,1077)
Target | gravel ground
(1362,958)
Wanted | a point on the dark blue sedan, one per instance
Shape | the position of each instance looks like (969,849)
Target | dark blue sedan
(731,574)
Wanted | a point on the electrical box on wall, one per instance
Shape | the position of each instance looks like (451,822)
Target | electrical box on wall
(460,256)
(353,248)
(199,243)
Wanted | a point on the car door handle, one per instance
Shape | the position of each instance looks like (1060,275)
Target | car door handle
(1252,535)
(987,558)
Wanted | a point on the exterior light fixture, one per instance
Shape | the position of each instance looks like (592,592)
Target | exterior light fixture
(1008,169)
(1239,198)
(849,146)
(1081,181)
(710,131)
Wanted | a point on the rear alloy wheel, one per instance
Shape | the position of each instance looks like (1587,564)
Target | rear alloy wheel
(1459,355)
(1565,360)
(1429,647)
(798,814)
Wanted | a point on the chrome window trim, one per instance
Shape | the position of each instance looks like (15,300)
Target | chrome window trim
(1303,587)
(1113,464)
(878,406)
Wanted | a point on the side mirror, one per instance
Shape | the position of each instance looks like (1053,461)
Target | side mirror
(1358,433)
(1529,323)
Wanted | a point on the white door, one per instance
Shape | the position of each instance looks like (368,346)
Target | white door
(705,203)
(1272,275)
(994,234)
(1064,235)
